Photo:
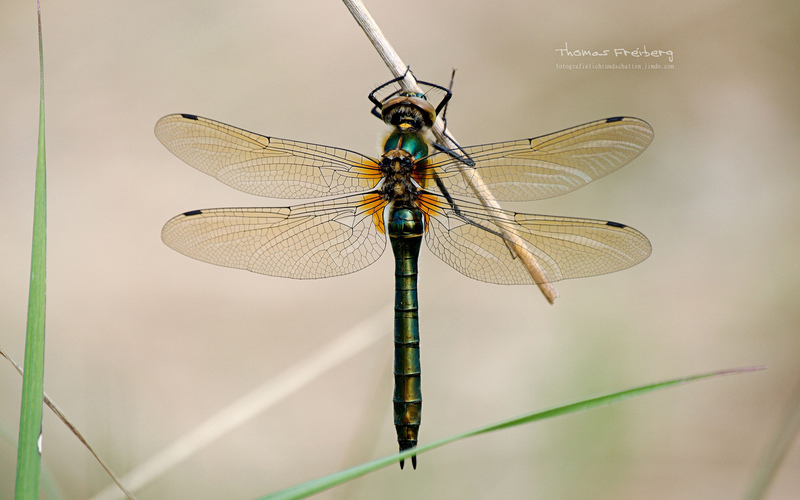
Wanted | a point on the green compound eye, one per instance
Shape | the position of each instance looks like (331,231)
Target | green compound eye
(413,94)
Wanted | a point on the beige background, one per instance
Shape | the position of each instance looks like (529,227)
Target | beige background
(144,344)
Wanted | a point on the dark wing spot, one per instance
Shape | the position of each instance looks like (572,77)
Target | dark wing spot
(197,212)
(615,119)
(609,223)
(189,117)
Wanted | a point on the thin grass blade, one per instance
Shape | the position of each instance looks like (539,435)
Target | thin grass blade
(29,453)
(60,414)
(320,484)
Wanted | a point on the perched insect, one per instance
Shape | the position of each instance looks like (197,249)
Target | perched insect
(410,192)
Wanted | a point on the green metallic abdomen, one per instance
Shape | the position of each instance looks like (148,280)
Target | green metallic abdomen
(405,235)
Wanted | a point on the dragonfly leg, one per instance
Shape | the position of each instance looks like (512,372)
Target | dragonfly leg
(465,159)
(457,211)
(441,110)
(378,104)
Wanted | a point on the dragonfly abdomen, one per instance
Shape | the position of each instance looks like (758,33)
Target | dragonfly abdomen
(405,235)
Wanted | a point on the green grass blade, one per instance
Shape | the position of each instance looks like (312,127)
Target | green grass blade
(320,484)
(50,488)
(30,423)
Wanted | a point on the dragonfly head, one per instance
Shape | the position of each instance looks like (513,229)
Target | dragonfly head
(409,112)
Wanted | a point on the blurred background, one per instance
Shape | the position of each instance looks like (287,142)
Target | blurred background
(144,344)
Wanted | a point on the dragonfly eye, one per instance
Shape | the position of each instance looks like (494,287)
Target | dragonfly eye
(418,95)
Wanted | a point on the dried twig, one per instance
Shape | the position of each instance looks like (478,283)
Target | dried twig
(472,177)
(75,431)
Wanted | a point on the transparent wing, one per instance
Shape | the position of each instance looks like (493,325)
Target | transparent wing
(265,166)
(314,240)
(468,240)
(550,165)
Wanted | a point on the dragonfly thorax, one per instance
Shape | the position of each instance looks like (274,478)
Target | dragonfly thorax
(397,166)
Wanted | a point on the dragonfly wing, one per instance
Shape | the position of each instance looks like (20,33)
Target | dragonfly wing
(469,240)
(314,240)
(550,165)
(265,166)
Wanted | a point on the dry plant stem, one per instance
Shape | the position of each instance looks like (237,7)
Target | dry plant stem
(75,431)
(471,176)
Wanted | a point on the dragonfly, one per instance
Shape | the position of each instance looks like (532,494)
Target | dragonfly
(415,190)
